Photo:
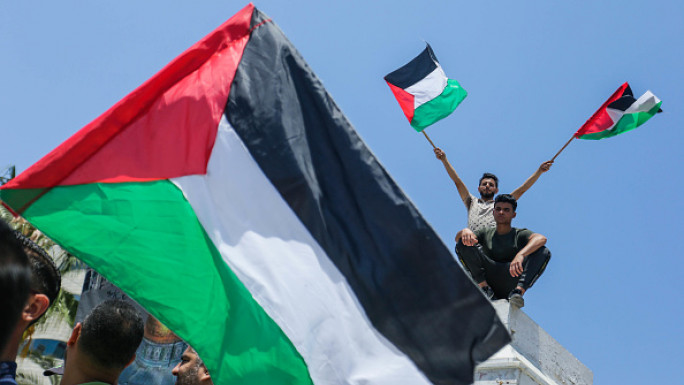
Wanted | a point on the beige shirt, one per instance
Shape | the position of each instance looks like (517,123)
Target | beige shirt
(480,214)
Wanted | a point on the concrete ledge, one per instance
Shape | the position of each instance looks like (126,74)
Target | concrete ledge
(533,356)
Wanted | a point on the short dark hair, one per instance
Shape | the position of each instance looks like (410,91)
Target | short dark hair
(489,175)
(506,198)
(46,278)
(15,281)
(111,333)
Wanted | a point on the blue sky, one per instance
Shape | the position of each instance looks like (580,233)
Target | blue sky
(535,71)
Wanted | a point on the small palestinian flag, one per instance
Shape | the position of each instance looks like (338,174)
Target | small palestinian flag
(423,91)
(231,198)
(620,113)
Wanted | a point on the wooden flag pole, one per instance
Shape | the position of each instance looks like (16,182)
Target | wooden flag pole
(428,138)
(561,150)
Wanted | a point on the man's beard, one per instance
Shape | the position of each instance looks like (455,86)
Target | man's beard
(487,196)
(188,378)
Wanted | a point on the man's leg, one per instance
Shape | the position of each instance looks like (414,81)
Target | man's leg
(498,274)
(476,263)
(533,267)
(473,259)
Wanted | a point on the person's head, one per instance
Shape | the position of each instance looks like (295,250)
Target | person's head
(106,341)
(489,186)
(191,370)
(15,282)
(504,208)
(45,280)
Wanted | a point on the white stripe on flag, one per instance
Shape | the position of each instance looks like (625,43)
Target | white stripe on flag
(429,87)
(288,273)
(645,103)
(615,116)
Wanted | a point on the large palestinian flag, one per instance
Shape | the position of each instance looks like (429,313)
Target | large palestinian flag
(620,113)
(231,198)
(423,91)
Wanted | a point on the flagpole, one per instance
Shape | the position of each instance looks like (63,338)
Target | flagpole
(561,150)
(428,138)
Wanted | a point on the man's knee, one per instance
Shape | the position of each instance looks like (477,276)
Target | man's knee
(471,257)
(467,253)
(543,253)
(535,265)
(460,247)
(459,253)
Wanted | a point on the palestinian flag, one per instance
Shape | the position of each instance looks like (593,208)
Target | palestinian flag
(232,199)
(423,91)
(620,113)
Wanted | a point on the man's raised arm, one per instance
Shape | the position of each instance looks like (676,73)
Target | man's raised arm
(544,167)
(460,186)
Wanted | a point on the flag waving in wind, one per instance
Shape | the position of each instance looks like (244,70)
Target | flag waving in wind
(231,198)
(423,91)
(620,113)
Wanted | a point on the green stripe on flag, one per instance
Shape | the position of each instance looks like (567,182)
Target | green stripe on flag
(146,239)
(626,123)
(439,107)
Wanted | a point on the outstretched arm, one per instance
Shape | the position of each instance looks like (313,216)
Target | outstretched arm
(517,193)
(460,186)
(533,244)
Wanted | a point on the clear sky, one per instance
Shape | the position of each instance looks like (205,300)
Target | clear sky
(535,71)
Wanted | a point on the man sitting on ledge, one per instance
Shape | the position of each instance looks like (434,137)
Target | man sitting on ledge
(504,261)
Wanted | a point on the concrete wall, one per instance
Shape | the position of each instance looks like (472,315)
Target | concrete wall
(532,358)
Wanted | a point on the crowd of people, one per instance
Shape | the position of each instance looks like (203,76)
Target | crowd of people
(98,349)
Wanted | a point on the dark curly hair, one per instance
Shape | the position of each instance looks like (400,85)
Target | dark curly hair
(46,278)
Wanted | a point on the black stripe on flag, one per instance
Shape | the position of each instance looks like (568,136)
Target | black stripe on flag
(415,71)
(624,101)
(406,279)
